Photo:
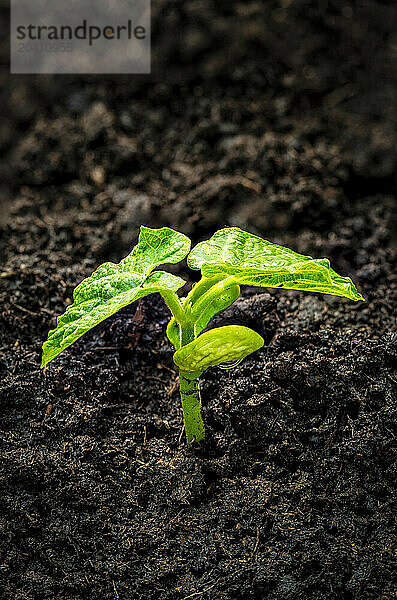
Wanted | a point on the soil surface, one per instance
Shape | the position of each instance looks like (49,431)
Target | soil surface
(278,118)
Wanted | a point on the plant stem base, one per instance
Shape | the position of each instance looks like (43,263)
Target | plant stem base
(191,405)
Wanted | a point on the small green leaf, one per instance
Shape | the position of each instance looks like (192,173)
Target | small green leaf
(113,286)
(210,308)
(219,346)
(250,260)
(216,306)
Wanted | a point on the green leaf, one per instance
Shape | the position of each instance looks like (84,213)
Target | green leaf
(219,346)
(113,286)
(250,260)
(215,306)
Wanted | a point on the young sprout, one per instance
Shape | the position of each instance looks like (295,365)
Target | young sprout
(230,258)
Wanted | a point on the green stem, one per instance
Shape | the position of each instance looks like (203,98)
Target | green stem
(187,333)
(191,405)
(186,316)
(175,306)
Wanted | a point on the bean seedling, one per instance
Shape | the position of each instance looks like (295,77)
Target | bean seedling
(230,258)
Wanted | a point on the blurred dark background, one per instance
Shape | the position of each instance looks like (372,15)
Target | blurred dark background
(274,116)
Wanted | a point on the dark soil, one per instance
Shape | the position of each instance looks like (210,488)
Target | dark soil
(276,117)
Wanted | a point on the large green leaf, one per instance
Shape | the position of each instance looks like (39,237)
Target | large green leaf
(113,286)
(250,260)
